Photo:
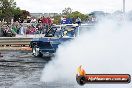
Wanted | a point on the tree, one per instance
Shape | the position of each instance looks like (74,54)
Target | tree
(67,11)
(57,19)
(7,3)
(24,14)
(16,13)
(6,7)
(77,14)
(8,10)
(97,13)
(69,14)
(20,14)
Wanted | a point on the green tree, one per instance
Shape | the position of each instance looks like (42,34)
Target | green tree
(67,11)
(24,14)
(78,14)
(57,19)
(16,13)
(8,10)
(6,7)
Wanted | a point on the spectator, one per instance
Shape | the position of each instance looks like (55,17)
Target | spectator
(22,30)
(28,20)
(44,20)
(40,20)
(33,20)
(69,21)
(63,20)
(49,21)
(78,21)
(32,29)
(20,20)
(39,28)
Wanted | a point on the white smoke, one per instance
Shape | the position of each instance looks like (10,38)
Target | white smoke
(107,49)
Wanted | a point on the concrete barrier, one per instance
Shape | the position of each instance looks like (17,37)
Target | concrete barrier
(14,41)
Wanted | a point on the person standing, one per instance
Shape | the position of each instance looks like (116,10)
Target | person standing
(49,21)
(78,21)
(63,20)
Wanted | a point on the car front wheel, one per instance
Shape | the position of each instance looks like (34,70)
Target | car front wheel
(36,52)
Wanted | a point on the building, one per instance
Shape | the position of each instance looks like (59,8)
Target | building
(38,15)
(51,14)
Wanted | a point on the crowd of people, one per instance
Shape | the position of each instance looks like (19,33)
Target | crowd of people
(29,26)
(43,20)
(32,26)
(25,28)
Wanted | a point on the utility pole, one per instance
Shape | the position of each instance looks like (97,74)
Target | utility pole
(124,6)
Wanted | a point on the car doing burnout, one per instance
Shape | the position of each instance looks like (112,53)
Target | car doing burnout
(56,35)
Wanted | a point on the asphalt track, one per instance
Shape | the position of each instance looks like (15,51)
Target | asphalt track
(19,69)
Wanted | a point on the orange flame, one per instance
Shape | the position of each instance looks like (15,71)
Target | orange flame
(81,71)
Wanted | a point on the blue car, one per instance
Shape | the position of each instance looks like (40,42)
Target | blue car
(56,35)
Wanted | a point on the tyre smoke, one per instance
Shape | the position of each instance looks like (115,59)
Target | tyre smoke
(106,49)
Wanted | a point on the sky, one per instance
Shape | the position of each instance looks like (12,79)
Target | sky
(84,6)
